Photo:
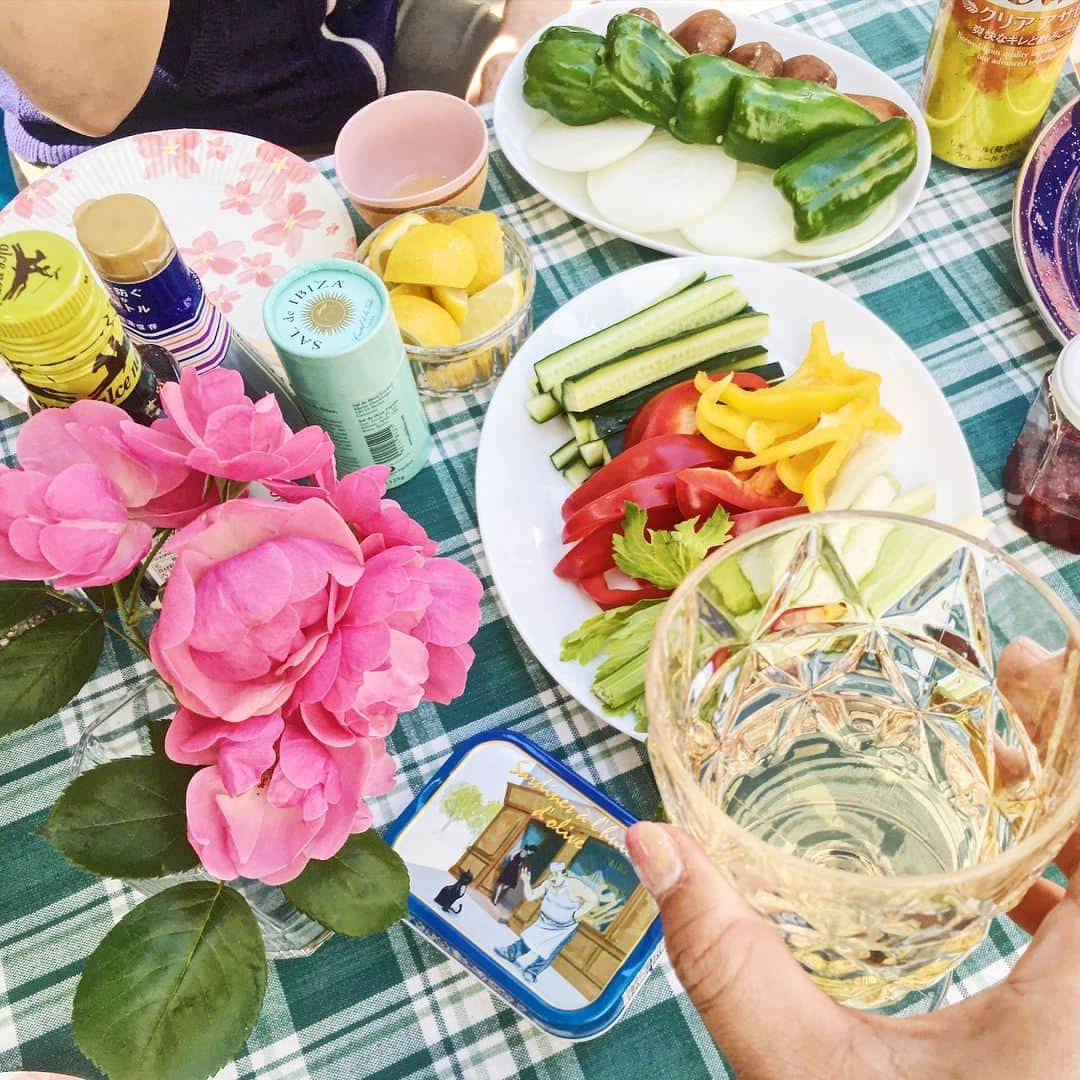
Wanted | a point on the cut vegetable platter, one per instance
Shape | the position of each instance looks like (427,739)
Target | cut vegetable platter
(640,183)
(520,495)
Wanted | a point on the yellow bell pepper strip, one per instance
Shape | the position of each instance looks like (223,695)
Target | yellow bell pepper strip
(793,471)
(824,472)
(719,437)
(884,422)
(847,422)
(788,401)
(761,434)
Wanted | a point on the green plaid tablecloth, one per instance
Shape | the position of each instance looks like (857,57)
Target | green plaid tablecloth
(393,1006)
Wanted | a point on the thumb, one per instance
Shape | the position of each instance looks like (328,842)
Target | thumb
(760,1007)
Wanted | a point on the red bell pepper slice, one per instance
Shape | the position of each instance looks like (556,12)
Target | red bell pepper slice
(665,455)
(647,491)
(595,555)
(607,597)
(754,519)
(674,410)
(699,491)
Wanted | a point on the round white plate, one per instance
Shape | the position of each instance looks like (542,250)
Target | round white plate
(515,121)
(519,495)
(242,211)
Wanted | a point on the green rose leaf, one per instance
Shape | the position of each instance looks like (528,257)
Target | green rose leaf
(362,890)
(19,600)
(125,819)
(175,988)
(43,669)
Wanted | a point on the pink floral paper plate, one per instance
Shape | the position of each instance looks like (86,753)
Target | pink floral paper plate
(242,211)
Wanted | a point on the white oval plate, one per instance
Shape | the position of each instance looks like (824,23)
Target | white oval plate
(519,495)
(241,210)
(515,121)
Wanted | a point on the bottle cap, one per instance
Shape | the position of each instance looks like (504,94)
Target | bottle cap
(124,237)
(45,288)
(1065,382)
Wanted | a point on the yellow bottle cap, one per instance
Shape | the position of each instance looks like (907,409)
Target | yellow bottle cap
(124,237)
(46,290)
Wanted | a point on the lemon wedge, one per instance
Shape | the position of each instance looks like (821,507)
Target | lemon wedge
(411,290)
(456,301)
(383,244)
(491,307)
(485,232)
(432,254)
(424,321)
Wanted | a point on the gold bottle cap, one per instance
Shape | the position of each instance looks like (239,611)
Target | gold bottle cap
(124,237)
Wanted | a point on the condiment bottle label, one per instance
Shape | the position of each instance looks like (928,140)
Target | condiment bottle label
(170,309)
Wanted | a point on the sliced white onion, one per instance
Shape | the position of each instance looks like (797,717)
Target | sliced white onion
(875,223)
(592,146)
(754,221)
(665,184)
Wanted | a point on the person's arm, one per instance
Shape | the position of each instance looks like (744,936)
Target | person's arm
(83,63)
(530,892)
(521,19)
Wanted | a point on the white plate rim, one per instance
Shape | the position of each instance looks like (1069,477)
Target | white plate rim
(508,99)
(511,393)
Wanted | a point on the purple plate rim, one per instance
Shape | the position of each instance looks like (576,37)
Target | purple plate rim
(1029,182)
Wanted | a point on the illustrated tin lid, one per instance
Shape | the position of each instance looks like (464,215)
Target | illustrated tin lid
(326,308)
(518,869)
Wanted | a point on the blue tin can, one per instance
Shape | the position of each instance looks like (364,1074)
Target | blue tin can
(518,870)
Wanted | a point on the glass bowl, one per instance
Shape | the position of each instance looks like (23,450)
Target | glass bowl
(834,717)
(458,369)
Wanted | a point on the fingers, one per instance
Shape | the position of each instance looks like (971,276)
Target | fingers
(734,966)
(1044,895)
(1029,677)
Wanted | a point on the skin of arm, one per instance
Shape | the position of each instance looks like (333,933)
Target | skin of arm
(521,19)
(83,63)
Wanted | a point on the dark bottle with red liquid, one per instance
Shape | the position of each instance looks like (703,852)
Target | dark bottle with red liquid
(1042,475)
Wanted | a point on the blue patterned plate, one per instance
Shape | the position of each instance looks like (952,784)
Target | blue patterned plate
(1046,222)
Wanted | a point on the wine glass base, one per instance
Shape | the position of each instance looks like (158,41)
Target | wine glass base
(918,1002)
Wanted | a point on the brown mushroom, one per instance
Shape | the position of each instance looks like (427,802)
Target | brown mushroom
(760,56)
(706,32)
(810,68)
(646,13)
(882,108)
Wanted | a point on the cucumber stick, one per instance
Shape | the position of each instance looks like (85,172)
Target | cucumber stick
(585,392)
(694,306)
(542,407)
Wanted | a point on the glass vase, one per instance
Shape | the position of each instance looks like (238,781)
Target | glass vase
(120,730)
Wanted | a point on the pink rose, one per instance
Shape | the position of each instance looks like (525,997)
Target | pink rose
(163,494)
(214,428)
(71,528)
(256,592)
(404,636)
(303,806)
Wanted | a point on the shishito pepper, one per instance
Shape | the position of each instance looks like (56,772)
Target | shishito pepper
(773,120)
(638,70)
(836,183)
(559,72)
(706,86)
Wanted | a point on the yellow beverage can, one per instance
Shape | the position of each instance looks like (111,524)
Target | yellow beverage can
(990,73)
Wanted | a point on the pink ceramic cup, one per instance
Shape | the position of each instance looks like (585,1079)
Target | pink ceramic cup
(417,148)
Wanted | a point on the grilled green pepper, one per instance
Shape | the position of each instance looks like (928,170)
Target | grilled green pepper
(558,76)
(772,120)
(706,86)
(837,182)
(638,69)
